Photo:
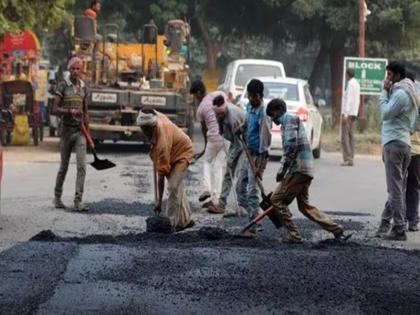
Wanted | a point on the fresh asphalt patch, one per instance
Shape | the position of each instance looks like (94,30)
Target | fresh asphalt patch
(205,271)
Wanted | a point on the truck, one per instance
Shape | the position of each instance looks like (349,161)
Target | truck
(124,77)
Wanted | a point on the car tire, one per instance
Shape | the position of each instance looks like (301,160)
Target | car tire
(317,152)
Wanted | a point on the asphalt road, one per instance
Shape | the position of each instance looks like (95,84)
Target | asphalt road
(102,262)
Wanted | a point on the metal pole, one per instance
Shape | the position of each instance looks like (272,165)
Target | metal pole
(361,50)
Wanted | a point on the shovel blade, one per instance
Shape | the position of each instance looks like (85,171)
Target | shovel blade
(102,164)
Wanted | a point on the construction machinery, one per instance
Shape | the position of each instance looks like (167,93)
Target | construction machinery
(124,77)
(22,88)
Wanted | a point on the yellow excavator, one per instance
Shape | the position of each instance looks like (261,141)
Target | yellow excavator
(123,77)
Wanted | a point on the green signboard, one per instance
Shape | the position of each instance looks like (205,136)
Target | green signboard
(369,72)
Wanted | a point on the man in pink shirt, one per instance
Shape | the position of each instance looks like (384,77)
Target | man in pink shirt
(214,146)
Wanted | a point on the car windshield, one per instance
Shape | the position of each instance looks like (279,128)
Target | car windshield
(285,91)
(247,72)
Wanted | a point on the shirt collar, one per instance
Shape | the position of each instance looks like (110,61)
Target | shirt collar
(69,83)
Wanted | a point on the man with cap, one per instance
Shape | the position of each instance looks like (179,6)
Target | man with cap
(70,105)
(171,152)
(214,155)
(231,118)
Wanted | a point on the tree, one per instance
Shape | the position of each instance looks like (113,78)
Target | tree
(17,15)
(334,24)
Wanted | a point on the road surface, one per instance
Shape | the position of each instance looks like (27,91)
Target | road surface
(102,262)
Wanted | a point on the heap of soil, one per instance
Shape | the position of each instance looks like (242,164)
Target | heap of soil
(44,236)
(158,224)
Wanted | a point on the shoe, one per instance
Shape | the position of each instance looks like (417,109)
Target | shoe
(292,239)
(215,209)
(58,203)
(346,164)
(396,236)
(413,228)
(383,229)
(80,207)
(205,195)
(188,226)
(240,213)
(340,232)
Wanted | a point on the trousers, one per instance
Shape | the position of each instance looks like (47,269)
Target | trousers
(72,139)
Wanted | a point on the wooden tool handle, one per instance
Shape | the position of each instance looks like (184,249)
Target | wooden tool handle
(87,135)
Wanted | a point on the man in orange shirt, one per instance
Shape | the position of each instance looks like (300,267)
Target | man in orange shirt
(171,152)
(94,9)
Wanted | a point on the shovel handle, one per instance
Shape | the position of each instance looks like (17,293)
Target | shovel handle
(258,218)
(87,135)
(254,169)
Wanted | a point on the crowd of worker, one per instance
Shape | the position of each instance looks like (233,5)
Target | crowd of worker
(236,150)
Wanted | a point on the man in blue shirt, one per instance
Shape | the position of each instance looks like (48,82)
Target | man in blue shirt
(399,111)
(295,174)
(258,140)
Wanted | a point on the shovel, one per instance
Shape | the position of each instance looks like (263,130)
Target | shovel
(265,203)
(97,163)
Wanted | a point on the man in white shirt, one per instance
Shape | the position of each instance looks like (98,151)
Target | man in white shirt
(349,111)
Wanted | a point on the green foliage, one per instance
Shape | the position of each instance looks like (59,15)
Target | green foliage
(16,15)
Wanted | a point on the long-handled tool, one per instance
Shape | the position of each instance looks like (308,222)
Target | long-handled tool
(99,164)
(266,202)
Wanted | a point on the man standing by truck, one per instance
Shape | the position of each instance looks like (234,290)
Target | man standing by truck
(70,105)
(94,9)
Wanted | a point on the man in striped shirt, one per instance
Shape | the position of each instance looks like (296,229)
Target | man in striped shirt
(295,174)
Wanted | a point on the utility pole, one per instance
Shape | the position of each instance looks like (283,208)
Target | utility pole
(361,46)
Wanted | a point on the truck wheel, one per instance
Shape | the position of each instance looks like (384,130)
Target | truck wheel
(317,152)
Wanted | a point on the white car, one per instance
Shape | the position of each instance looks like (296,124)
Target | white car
(240,71)
(296,94)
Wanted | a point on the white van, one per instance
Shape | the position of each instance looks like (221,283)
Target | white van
(240,71)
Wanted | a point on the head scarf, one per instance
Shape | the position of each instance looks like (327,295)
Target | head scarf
(147,119)
(74,61)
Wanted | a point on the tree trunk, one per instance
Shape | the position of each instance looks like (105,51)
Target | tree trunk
(212,53)
(213,45)
(336,65)
(318,67)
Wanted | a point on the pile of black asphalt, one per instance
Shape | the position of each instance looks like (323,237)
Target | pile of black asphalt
(205,271)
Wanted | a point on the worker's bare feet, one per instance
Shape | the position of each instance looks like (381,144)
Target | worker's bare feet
(215,209)
(250,234)
(182,228)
